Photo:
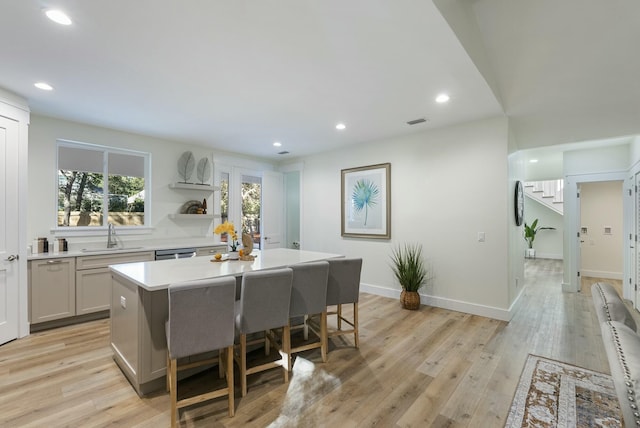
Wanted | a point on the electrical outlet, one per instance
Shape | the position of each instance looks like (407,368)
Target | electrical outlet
(481,237)
(123,302)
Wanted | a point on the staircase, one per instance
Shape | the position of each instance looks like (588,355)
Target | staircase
(550,193)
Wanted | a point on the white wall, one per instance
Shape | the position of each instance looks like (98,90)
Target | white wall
(516,243)
(599,160)
(292,208)
(447,185)
(44,132)
(601,205)
(634,150)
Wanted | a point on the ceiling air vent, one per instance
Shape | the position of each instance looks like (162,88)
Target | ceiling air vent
(284,152)
(416,121)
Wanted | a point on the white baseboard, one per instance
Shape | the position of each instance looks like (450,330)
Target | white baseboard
(601,274)
(450,304)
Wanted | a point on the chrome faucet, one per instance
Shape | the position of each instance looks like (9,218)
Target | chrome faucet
(111,236)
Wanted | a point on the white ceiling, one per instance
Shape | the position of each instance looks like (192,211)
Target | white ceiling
(239,75)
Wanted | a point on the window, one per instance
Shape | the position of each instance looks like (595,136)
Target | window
(85,171)
(251,201)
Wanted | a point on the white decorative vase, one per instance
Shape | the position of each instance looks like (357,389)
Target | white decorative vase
(233,255)
(530,253)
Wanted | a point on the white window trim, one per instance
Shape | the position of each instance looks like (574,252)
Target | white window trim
(100,230)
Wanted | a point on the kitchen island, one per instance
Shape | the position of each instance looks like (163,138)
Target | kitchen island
(139,306)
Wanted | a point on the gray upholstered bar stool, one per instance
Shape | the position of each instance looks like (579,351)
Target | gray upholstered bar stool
(264,307)
(344,287)
(309,297)
(201,320)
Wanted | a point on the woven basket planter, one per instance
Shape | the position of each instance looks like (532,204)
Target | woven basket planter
(410,300)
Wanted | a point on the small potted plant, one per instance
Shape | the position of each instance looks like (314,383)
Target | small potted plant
(530,235)
(410,271)
(232,238)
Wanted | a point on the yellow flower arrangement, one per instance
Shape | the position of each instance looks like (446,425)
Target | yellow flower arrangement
(230,230)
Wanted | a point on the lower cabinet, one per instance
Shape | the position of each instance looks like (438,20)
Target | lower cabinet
(93,279)
(52,289)
(69,286)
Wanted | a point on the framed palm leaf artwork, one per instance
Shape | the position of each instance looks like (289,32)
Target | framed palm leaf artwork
(366,201)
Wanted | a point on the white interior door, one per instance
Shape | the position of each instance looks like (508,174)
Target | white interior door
(272,209)
(9,274)
(580,240)
(635,254)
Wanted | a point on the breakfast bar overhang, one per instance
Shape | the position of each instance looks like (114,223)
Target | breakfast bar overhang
(139,306)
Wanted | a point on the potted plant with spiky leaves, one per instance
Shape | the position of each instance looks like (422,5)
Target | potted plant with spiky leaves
(411,272)
(530,232)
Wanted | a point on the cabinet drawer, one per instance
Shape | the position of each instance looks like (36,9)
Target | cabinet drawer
(93,290)
(104,260)
(210,251)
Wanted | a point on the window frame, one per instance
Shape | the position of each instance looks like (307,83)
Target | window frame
(101,230)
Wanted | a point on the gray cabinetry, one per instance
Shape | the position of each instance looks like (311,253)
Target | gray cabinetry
(52,289)
(93,279)
(211,251)
(137,333)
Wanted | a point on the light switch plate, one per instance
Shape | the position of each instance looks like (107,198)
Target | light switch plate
(481,236)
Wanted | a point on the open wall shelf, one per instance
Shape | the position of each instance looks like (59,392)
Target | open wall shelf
(192,186)
(194,216)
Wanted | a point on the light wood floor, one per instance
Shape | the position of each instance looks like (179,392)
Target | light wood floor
(430,367)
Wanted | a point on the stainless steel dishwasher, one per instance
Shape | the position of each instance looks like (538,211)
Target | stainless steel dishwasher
(177,253)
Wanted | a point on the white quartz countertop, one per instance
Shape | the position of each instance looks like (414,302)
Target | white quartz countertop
(94,248)
(157,275)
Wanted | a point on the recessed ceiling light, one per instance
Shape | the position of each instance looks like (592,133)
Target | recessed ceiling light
(58,16)
(533,160)
(43,86)
(341,126)
(277,144)
(442,98)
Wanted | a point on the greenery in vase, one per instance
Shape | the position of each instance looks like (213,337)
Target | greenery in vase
(530,232)
(230,230)
(408,266)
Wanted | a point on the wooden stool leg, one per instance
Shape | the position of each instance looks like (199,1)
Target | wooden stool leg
(339,314)
(355,325)
(243,363)
(267,344)
(220,364)
(323,336)
(289,357)
(174,392)
(168,376)
(286,351)
(230,388)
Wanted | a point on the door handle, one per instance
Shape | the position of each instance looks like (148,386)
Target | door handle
(12,257)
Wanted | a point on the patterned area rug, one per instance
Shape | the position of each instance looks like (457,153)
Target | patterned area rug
(555,394)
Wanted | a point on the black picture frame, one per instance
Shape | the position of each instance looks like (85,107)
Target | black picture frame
(519,203)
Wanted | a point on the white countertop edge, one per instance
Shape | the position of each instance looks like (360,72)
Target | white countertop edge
(157,275)
(130,247)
